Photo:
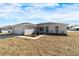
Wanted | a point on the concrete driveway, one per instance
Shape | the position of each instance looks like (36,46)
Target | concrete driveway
(3,36)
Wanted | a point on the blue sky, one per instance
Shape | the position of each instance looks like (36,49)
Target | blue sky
(13,13)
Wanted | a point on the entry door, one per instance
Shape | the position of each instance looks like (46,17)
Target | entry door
(41,30)
(56,29)
(47,30)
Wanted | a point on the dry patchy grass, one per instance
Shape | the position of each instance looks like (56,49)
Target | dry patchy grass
(47,45)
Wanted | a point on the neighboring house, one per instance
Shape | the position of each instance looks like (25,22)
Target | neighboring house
(6,29)
(76,28)
(42,28)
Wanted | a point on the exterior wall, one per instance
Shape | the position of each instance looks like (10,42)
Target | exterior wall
(18,30)
(23,30)
(61,29)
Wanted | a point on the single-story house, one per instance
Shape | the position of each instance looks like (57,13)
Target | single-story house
(41,28)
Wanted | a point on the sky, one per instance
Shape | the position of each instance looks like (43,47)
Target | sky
(14,13)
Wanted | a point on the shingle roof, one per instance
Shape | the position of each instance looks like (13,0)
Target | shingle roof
(25,24)
(29,24)
(49,23)
(6,27)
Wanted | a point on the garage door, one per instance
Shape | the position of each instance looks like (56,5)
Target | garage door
(18,31)
(28,31)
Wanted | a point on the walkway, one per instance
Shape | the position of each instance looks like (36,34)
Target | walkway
(34,38)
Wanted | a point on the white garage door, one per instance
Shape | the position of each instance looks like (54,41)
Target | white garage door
(28,31)
(18,31)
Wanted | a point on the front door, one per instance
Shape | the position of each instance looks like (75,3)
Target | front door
(47,30)
(41,30)
(56,29)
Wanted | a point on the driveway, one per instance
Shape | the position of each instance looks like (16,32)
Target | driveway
(3,36)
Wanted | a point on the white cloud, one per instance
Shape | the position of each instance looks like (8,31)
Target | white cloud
(60,14)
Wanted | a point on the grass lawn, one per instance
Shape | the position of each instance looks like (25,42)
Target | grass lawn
(47,45)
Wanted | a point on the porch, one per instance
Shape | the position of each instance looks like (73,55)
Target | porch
(42,30)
